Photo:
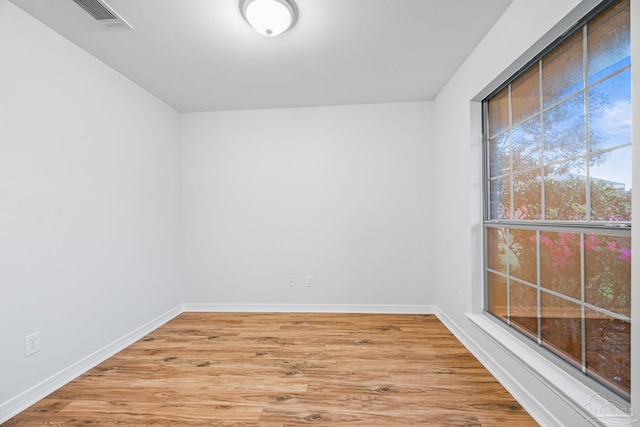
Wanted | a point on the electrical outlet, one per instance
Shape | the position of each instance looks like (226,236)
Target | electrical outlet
(310,281)
(460,299)
(292,283)
(31,344)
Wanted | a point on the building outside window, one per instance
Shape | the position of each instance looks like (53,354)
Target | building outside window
(558,199)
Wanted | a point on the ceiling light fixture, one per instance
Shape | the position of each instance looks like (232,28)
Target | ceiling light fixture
(269,17)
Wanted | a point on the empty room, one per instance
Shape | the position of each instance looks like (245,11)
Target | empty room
(319,212)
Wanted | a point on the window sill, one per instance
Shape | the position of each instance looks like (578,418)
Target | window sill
(594,406)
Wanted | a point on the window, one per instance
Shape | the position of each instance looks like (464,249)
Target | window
(558,199)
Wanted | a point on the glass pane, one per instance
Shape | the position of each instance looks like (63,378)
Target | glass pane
(522,255)
(608,272)
(565,191)
(610,112)
(525,95)
(496,249)
(560,263)
(562,70)
(611,186)
(524,308)
(608,343)
(499,112)
(497,295)
(561,326)
(608,42)
(527,196)
(564,134)
(500,198)
(527,145)
(499,156)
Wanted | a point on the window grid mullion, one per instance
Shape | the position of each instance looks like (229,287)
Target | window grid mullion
(508,233)
(601,151)
(554,104)
(587,305)
(539,286)
(583,317)
(585,71)
(543,198)
(512,204)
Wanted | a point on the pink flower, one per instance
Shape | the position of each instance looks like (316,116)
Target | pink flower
(612,246)
(625,254)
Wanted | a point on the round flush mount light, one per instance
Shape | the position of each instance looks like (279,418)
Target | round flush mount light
(269,17)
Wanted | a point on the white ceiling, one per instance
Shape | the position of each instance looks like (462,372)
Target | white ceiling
(200,55)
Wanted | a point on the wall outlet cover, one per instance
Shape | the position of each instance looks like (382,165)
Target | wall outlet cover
(31,344)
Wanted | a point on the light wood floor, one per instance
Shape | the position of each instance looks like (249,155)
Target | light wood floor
(286,369)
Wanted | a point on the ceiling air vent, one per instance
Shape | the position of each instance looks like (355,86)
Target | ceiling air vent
(104,14)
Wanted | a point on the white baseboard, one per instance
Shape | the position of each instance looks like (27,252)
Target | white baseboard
(311,308)
(24,400)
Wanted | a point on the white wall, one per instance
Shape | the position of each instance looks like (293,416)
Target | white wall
(89,203)
(341,193)
(525,28)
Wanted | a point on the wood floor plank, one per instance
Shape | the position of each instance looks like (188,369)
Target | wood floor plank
(275,369)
